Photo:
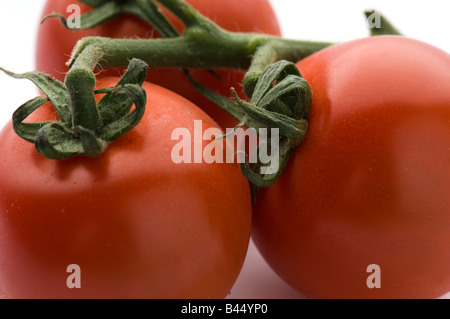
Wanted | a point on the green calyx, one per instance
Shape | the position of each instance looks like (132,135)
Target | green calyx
(280,98)
(85,127)
(105,10)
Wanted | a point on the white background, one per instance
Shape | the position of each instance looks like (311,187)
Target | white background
(320,20)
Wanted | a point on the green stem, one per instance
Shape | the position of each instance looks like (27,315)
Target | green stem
(202,45)
(80,83)
(196,49)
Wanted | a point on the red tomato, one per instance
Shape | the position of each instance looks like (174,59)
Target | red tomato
(55,44)
(369,185)
(137,224)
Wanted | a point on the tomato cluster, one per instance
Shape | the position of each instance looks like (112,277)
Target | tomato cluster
(365,192)
(137,224)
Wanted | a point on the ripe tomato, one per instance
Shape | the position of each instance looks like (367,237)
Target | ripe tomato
(55,44)
(137,224)
(369,185)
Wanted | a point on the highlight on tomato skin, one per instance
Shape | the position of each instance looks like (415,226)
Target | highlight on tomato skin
(137,224)
(55,44)
(369,185)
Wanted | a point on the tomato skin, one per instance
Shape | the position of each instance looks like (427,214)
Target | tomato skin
(137,224)
(369,185)
(55,44)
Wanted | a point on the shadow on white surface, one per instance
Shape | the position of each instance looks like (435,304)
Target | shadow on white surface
(258,281)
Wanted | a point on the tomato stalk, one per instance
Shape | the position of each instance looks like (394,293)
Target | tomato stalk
(84,110)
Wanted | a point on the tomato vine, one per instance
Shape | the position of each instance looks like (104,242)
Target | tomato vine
(279,96)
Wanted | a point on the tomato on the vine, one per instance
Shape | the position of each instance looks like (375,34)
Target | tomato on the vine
(362,210)
(55,44)
(137,224)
